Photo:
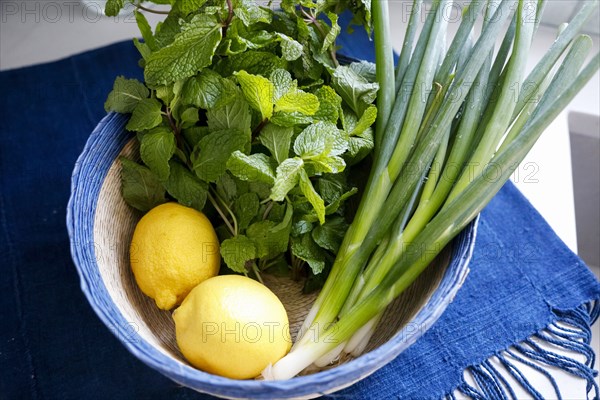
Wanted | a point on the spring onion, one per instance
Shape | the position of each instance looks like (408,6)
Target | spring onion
(433,153)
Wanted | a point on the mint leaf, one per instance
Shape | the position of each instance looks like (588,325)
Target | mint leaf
(188,6)
(113,7)
(263,190)
(253,62)
(209,158)
(144,51)
(227,188)
(286,222)
(189,117)
(357,92)
(359,146)
(232,46)
(365,121)
(165,93)
(312,196)
(141,189)
(331,208)
(245,209)
(194,134)
(185,187)
(365,69)
(254,36)
(126,94)
(328,164)
(237,251)
(250,13)
(365,13)
(259,233)
(335,205)
(271,238)
(330,235)
(332,186)
(307,68)
(334,31)
(300,227)
(301,27)
(277,211)
(233,115)
(361,143)
(203,90)
(329,105)
(146,115)
(306,249)
(286,178)
(156,149)
(298,101)
(315,44)
(165,31)
(228,93)
(321,139)
(282,82)
(252,39)
(277,140)
(176,105)
(258,91)
(312,84)
(290,49)
(145,30)
(348,118)
(291,119)
(255,167)
(191,50)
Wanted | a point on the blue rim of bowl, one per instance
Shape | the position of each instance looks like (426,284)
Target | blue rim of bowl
(103,146)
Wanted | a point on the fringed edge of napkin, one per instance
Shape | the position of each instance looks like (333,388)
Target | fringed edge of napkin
(570,331)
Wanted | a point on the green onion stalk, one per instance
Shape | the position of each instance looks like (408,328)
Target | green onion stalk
(433,151)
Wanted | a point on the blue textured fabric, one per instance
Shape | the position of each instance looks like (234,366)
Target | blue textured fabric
(523,278)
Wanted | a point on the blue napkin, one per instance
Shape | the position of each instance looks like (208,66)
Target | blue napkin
(523,279)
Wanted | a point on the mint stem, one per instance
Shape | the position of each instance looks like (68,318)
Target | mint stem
(259,128)
(267,210)
(229,17)
(213,201)
(176,130)
(312,19)
(141,7)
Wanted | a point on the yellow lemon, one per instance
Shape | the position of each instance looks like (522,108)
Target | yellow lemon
(232,326)
(173,249)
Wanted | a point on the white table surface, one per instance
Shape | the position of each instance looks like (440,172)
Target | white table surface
(33,32)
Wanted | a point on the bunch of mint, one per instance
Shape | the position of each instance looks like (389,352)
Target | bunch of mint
(247,115)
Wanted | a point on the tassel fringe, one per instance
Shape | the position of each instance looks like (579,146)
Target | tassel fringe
(570,332)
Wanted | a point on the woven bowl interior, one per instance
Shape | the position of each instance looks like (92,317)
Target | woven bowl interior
(114,223)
